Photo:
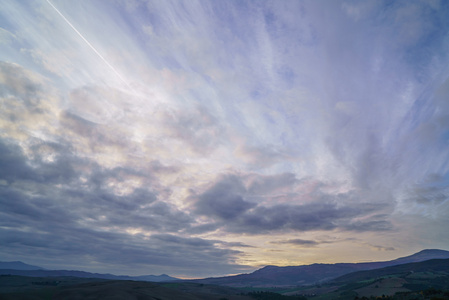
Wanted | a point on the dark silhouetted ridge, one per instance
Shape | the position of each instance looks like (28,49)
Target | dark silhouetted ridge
(315,273)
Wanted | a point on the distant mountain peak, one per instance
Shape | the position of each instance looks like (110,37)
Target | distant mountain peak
(269,267)
(432,251)
(424,255)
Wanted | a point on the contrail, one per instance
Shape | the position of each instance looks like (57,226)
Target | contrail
(90,45)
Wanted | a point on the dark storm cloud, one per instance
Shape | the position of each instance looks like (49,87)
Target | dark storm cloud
(63,167)
(139,209)
(12,163)
(225,204)
(294,217)
(18,209)
(66,208)
(41,212)
(224,199)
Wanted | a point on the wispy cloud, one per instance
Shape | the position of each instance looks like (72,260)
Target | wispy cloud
(298,242)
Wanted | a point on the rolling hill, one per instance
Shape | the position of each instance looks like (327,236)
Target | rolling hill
(315,273)
(436,266)
(421,280)
(82,274)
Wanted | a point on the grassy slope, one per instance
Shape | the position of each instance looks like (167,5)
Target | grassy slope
(411,277)
(434,266)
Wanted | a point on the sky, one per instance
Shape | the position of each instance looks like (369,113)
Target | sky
(207,138)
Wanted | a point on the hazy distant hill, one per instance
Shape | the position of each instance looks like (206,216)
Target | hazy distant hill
(18,265)
(315,273)
(82,274)
(154,278)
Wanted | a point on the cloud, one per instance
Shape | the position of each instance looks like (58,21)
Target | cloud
(261,155)
(271,184)
(298,242)
(225,204)
(12,162)
(198,128)
(370,225)
(16,80)
(90,222)
(433,190)
(323,216)
(29,105)
(382,248)
(223,199)
(53,202)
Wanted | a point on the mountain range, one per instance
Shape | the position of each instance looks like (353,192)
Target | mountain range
(22,269)
(314,273)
